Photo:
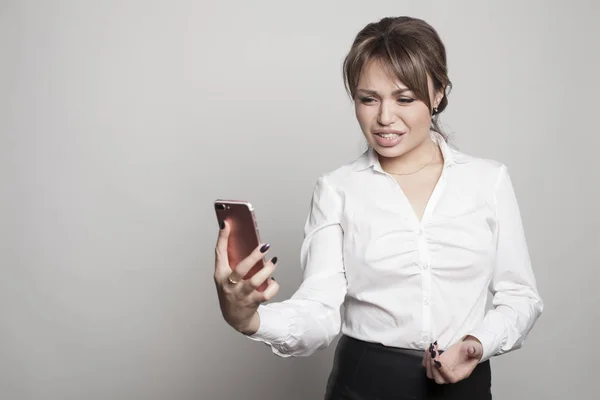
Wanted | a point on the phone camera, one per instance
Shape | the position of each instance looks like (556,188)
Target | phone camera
(220,206)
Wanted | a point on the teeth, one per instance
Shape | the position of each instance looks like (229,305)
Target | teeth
(388,135)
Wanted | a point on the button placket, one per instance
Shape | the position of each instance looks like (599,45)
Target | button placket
(424,259)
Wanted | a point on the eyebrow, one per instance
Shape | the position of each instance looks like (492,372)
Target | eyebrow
(374,93)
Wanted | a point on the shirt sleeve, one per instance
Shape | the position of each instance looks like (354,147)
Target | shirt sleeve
(516,301)
(311,319)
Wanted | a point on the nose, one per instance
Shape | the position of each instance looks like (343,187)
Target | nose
(386,114)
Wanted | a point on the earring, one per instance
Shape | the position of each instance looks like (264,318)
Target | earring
(435,111)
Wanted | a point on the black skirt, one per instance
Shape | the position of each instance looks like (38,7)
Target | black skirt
(369,371)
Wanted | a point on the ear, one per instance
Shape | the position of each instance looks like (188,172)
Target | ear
(438,97)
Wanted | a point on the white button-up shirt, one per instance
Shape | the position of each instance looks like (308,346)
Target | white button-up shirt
(373,270)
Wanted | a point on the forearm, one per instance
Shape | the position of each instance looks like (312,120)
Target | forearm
(506,327)
(297,327)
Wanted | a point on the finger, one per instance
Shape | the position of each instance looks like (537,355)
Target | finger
(437,376)
(268,294)
(428,362)
(446,372)
(260,277)
(247,263)
(435,363)
(221,259)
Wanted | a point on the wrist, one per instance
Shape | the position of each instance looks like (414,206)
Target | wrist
(469,337)
(252,327)
(475,347)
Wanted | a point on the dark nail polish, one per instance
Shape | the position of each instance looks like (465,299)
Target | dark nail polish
(432,354)
(430,346)
(435,343)
(265,248)
(272,278)
(274,260)
(222,224)
(437,363)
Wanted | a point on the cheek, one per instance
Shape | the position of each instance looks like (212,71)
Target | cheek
(418,119)
(363,116)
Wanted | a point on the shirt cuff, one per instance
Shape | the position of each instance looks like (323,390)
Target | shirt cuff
(273,328)
(489,341)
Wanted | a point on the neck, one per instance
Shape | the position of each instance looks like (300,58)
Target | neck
(424,153)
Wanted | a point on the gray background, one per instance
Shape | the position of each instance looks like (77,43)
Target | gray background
(121,122)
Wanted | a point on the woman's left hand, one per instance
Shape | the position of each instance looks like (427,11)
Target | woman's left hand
(456,363)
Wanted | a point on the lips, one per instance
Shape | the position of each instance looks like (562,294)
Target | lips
(388,138)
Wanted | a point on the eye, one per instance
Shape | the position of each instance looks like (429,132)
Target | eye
(366,100)
(405,100)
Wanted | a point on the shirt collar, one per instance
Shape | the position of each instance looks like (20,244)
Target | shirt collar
(451,155)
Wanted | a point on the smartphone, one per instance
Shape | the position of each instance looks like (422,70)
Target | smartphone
(244,236)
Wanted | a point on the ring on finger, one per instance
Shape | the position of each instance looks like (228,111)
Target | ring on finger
(230,280)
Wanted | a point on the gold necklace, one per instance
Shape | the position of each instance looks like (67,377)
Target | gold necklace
(423,166)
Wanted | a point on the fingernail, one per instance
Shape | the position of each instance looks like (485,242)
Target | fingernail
(437,363)
(430,346)
(274,260)
(265,248)
(272,278)
(222,224)
(432,353)
(435,343)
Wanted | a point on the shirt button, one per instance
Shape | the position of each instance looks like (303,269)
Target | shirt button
(424,267)
(426,301)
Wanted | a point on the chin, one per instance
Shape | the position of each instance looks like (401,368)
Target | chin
(389,152)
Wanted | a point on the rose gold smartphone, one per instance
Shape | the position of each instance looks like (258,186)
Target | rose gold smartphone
(244,236)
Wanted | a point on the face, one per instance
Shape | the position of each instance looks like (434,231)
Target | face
(393,121)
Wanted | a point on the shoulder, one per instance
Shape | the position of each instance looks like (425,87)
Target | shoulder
(478,169)
(345,174)
(330,190)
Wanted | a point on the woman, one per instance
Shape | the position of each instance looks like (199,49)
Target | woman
(401,246)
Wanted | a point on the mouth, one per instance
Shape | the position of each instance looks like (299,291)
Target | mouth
(388,137)
(389,134)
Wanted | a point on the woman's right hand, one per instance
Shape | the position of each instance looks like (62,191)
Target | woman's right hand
(238,298)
